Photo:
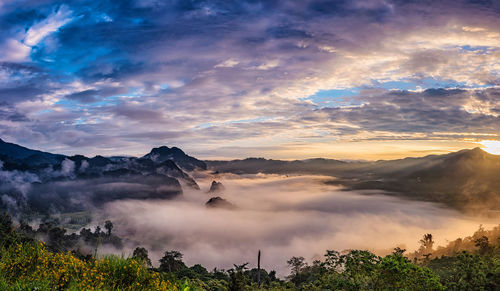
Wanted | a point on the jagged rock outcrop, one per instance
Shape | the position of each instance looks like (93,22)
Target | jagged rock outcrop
(219,202)
(216,187)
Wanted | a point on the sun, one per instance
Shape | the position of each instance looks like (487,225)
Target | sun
(491,146)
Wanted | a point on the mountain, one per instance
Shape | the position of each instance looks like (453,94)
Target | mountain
(175,154)
(219,202)
(261,165)
(467,180)
(47,182)
(16,154)
(216,187)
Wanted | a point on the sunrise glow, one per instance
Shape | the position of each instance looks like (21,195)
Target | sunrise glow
(491,146)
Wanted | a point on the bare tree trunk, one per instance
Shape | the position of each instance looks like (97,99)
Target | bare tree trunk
(258,269)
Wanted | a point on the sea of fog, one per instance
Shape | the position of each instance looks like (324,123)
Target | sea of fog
(283,216)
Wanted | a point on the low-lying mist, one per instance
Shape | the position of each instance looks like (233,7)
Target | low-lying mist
(283,217)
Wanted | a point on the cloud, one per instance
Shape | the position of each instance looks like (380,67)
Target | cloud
(67,167)
(283,217)
(433,110)
(203,67)
(20,181)
(13,50)
(94,95)
(227,64)
(51,24)
(10,114)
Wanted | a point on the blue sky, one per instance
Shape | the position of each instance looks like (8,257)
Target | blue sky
(227,79)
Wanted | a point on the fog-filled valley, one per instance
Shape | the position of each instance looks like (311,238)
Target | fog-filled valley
(283,216)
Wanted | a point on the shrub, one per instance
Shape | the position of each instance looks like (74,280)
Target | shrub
(31,266)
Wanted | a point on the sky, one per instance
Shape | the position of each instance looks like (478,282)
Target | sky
(361,79)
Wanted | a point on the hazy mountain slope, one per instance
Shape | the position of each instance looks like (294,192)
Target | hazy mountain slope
(467,180)
(13,153)
(261,165)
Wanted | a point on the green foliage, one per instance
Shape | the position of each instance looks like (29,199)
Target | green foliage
(396,271)
(7,234)
(31,266)
(468,271)
(141,255)
(172,262)
(26,264)
(237,279)
(362,270)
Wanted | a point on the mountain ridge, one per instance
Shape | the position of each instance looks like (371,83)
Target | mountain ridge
(466,180)
(163,153)
(47,182)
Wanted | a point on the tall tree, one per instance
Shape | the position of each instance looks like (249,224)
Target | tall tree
(108,225)
(258,269)
(237,278)
(172,261)
(297,264)
(141,254)
(426,244)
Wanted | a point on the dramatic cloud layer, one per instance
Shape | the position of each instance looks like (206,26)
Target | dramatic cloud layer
(259,76)
(284,217)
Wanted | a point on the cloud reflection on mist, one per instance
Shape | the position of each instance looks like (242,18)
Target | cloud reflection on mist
(284,217)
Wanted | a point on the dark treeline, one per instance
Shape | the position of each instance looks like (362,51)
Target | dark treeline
(471,263)
(57,238)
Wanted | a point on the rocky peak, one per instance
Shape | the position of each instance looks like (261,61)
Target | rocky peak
(216,187)
(219,202)
(163,153)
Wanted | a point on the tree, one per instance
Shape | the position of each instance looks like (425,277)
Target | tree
(7,234)
(200,271)
(399,251)
(352,271)
(6,225)
(469,273)
(426,244)
(108,225)
(57,238)
(141,254)
(297,264)
(332,260)
(483,244)
(237,279)
(172,262)
(395,272)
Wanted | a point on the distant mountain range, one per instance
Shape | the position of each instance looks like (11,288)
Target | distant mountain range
(19,156)
(38,181)
(468,180)
(11,153)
